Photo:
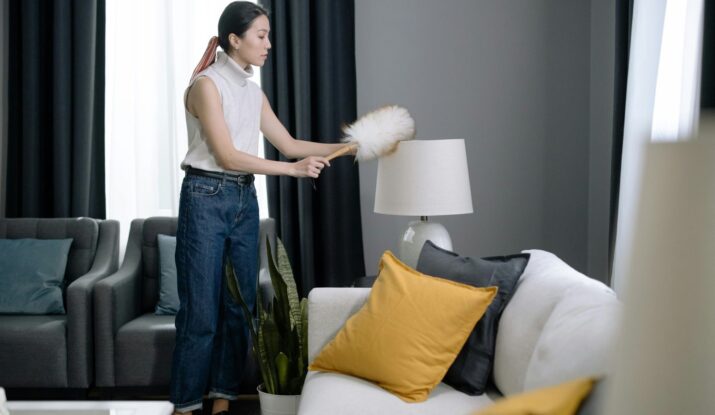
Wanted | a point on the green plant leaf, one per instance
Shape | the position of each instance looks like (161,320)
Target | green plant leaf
(286,273)
(281,305)
(269,375)
(264,362)
(271,340)
(281,318)
(295,385)
(282,329)
(282,369)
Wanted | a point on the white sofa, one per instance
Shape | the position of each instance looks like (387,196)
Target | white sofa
(559,325)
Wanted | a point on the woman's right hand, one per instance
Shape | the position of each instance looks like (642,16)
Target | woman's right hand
(309,167)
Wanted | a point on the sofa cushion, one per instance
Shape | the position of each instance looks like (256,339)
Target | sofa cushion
(559,325)
(472,368)
(83,231)
(561,399)
(409,331)
(150,257)
(143,351)
(33,351)
(168,293)
(32,273)
(338,394)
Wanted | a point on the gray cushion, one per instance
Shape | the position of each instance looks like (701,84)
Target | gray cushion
(150,257)
(143,351)
(83,231)
(33,351)
(168,293)
(32,274)
(472,368)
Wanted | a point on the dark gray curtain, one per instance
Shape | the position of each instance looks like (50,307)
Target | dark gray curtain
(309,79)
(624,19)
(55,157)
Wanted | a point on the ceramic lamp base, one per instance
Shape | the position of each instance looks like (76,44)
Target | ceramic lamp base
(417,233)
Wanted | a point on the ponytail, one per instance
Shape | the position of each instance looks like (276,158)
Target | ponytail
(208,58)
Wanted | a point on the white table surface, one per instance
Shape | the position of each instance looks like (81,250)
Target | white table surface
(90,407)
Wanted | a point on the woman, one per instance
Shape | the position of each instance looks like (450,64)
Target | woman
(218,207)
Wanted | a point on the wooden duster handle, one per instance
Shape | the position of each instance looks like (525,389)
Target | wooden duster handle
(340,152)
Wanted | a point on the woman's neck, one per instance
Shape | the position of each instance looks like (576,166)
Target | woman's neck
(234,55)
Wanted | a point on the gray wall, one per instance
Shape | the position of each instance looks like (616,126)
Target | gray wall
(567,116)
(512,77)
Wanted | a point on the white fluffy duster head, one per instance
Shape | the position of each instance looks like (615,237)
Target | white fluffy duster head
(377,133)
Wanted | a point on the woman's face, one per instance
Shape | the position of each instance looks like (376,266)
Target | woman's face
(253,47)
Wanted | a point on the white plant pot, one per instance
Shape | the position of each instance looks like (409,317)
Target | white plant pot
(277,404)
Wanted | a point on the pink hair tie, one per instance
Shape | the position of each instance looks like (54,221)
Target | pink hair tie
(208,58)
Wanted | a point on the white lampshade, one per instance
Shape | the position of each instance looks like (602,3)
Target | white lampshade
(424,178)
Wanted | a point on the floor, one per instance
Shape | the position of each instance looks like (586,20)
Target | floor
(247,405)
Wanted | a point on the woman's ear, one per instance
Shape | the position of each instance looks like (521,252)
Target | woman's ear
(234,41)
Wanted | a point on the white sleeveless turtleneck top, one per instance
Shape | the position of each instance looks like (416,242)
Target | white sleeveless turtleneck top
(241,100)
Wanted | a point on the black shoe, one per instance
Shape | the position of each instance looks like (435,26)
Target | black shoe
(221,413)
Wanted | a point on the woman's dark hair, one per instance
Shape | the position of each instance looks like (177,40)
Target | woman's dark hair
(237,18)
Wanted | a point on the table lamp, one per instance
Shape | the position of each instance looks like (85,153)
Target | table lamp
(424,178)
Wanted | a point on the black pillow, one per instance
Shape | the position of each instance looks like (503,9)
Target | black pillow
(471,369)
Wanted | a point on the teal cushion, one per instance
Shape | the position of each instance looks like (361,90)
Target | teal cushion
(168,294)
(32,272)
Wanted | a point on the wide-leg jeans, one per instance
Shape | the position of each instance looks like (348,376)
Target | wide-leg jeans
(216,217)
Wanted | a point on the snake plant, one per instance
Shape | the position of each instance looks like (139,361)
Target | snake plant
(280,332)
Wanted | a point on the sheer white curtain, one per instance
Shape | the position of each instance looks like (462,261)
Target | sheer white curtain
(152,46)
(662,101)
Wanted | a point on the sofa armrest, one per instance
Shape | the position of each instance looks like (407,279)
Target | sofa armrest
(117,300)
(328,310)
(80,350)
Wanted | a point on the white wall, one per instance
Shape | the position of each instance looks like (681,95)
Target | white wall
(512,78)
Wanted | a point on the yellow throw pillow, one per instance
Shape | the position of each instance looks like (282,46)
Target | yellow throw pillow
(409,331)
(562,399)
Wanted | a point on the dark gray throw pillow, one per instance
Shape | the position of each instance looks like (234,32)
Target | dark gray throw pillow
(168,293)
(472,368)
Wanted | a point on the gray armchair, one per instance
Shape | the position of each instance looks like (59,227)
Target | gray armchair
(133,345)
(57,351)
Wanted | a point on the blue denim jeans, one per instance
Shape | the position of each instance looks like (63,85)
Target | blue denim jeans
(211,330)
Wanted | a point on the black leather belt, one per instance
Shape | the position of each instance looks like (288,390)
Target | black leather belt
(238,178)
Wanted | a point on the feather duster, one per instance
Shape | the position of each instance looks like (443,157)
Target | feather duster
(377,133)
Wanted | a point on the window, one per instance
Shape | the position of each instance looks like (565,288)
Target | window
(151,49)
(677,100)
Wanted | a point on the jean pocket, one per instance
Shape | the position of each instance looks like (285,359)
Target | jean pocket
(205,189)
